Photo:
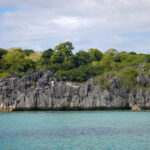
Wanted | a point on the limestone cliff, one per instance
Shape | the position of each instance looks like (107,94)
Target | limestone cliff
(41,90)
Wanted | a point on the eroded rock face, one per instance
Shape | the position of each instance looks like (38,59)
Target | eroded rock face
(41,90)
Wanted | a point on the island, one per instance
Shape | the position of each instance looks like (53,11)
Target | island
(58,79)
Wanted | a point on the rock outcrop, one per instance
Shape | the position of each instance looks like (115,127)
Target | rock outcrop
(41,90)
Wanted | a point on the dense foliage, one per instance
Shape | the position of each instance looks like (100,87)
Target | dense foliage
(75,67)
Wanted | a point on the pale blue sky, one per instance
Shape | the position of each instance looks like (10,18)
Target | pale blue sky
(102,24)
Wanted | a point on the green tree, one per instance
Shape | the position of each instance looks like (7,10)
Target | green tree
(46,55)
(57,57)
(106,61)
(65,48)
(111,51)
(2,52)
(15,61)
(82,58)
(132,53)
(95,54)
(28,52)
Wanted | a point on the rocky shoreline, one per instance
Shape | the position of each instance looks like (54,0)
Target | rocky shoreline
(42,91)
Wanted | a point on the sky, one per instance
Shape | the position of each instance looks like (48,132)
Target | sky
(103,24)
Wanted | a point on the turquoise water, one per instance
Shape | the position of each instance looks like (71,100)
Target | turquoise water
(87,130)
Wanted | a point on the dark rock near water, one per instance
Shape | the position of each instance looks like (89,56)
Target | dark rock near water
(41,90)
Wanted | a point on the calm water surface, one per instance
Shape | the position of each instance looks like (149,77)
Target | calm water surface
(89,130)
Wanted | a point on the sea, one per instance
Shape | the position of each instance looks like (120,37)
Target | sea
(75,130)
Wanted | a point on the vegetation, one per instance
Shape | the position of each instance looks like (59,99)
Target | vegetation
(77,67)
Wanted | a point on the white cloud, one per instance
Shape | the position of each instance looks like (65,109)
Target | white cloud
(38,24)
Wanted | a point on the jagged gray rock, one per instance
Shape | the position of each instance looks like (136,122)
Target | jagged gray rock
(41,90)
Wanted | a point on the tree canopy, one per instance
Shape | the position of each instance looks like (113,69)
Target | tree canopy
(79,66)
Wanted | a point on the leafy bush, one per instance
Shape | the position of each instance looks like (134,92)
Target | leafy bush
(77,67)
(128,77)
